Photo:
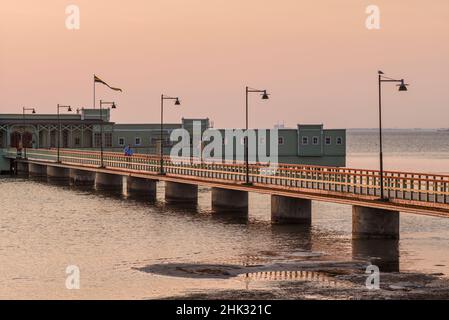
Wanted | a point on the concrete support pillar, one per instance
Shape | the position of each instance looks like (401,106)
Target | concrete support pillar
(82,177)
(108,182)
(290,210)
(141,187)
(37,170)
(22,168)
(373,223)
(229,200)
(57,174)
(181,192)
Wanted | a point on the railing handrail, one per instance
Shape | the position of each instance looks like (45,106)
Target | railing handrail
(428,188)
(281,166)
(300,172)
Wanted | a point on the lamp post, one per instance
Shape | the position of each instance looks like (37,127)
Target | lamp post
(265,96)
(113,106)
(402,87)
(177,103)
(33,111)
(69,109)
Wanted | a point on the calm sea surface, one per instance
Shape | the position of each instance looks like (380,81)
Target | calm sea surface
(44,228)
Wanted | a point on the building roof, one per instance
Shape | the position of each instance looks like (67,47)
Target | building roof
(144,126)
(35,119)
(52,121)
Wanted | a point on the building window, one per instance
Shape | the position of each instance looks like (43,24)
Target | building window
(108,140)
(339,140)
(168,142)
(305,140)
(77,141)
(280,140)
(52,139)
(65,139)
(328,140)
(137,141)
(97,140)
(315,140)
(121,141)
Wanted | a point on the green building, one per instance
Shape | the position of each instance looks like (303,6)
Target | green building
(305,144)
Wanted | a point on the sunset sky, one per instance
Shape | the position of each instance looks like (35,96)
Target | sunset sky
(316,58)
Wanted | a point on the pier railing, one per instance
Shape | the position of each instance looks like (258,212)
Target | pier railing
(422,187)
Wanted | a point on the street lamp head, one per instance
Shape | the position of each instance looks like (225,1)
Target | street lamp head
(177,102)
(113,106)
(265,95)
(34,111)
(69,109)
(403,86)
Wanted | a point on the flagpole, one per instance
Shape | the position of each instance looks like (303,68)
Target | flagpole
(94,91)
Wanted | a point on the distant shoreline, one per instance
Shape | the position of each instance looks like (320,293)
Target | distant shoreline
(444,130)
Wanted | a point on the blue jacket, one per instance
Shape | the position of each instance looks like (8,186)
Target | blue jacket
(128,151)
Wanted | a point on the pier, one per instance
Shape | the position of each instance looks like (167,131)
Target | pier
(292,188)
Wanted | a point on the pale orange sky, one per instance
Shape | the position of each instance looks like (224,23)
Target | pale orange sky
(316,58)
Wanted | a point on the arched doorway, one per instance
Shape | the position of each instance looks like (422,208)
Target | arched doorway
(27,140)
(65,139)
(2,139)
(15,139)
(53,138)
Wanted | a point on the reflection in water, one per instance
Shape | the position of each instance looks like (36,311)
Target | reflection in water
(109,193)
(382,253)
(248,260)
(247,274)
(57,181)
(23,174)
(182,207)
(37,178)
(139,197)
(230,217)
(282,275)
(299,237)
(82,188)
(110,235)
